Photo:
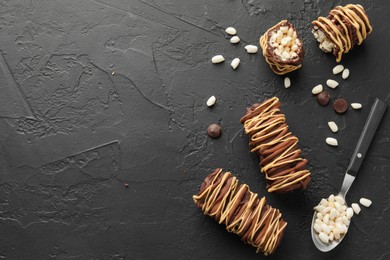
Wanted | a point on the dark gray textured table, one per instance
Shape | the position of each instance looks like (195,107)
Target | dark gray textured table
(96,94)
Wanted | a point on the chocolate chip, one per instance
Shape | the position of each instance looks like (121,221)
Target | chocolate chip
(340,105)
(323,98)
(214,131)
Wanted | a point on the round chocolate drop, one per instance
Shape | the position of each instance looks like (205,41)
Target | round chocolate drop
(214,131)
(323,98)
(340,105)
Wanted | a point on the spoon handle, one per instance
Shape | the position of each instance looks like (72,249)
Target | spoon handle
(369,129)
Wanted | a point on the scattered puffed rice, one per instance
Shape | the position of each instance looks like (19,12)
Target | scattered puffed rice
(356,208)
(324,238)
(349,213)
(365,202)
(345,74)
(287,82)
(211,101)
(338,206)
(251,48)
(217,59)
(333,127)
(324,202)
(356,105)
(331,236)
(332,141)
(317,228)
(332,83)
(325,228)
(338,69)
(235,39)
(336,234)
(235,63)
(317,89)
(333,213)
(231,31)
(340,200)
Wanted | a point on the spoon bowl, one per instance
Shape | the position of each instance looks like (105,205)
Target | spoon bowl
(317,241)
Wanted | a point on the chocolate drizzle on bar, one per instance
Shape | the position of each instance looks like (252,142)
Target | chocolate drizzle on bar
(276,146)
(282,49)
(242,211)
(342,29)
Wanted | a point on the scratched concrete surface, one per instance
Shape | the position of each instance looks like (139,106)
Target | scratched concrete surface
(97,94)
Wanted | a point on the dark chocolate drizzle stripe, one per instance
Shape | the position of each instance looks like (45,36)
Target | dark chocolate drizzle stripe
(345,26)
(280,159)
(233,204)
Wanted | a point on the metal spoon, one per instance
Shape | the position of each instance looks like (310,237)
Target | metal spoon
(369,129)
